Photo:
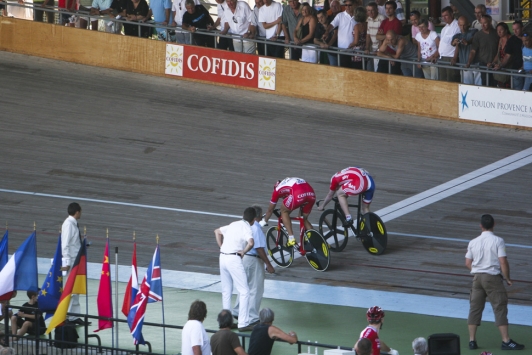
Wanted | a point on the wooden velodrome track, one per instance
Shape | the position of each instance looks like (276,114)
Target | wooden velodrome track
(71,130)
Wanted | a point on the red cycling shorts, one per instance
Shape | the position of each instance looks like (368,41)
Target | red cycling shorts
(302,196)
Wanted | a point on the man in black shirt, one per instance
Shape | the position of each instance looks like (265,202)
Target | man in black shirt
(197,17)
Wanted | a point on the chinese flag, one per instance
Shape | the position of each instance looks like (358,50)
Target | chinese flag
(104,301)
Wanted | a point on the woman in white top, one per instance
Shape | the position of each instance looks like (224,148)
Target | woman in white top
(427,49)
(415,18)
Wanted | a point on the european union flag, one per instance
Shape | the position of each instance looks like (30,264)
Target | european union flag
(3,251)
(53,285)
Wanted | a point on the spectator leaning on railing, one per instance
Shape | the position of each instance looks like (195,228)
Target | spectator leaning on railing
(427,49)
(238,17)
(259,27)
(291,16)
(304,33)
(136,11)
(270,15)
(415,17)
(329,41)
(161,9)
(197,17)
(390,22)
(484,48)
(462,43)
(509,55)
(374,21)
(445,48)
(178,10)
(398,47)
(223,42)
(360,36)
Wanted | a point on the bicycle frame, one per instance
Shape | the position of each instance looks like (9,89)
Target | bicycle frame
(338,209)
(302,230)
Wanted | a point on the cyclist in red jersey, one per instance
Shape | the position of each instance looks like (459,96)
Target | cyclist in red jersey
(351,181)
(375,316)
(296,193)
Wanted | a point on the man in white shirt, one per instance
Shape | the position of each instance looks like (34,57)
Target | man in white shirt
(178,9)
(446,48)
(194,338)
(223,42)
(271,17)
(235,240)
(238,17)
(259,28)
(345,23)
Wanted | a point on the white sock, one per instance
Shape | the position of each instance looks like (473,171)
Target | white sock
(291,237)
(348,217)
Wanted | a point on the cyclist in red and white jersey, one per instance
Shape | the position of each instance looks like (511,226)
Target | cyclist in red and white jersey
(351,181)
(296,193)
(375,315)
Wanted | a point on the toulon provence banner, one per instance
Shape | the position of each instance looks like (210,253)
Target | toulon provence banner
(220,66)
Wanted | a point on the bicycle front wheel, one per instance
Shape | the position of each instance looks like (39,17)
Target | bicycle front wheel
(374,239)
(332,229)
(276,244)
(316,250)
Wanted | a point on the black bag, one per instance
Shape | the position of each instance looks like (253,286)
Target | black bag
(65,337)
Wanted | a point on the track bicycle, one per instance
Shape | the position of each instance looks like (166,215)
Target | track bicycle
(311,245)
(369,228)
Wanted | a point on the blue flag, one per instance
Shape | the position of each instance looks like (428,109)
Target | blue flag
(154,278)
(53,285)
(3,251)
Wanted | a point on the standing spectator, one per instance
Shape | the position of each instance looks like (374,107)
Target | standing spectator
(381,7)
(197,17)
(270,15)
(374,23)
(484,48)
(419,345)
(38,15)
(239,18)
(178,10)
(486,259)
(397,47)
(224,341)
(480,10)
(260,31)
(70,244)
(263,335)
(363,347)
(25,321)
(360,35)
(66,5)
(254,262)
(456,12)
(527,60)
(390,22)
(291,16)
(161,10)
(517,27)
(136,11)
(223,42)
(325,42)
(235,240)
(400,14)
(427,49)
(194,339)
(462,42)
(375,316)
(335,9)
(345,23)
(445,48)
(415,17)
(307,24)
(508,56)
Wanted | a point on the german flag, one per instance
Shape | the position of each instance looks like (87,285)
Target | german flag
(76,284)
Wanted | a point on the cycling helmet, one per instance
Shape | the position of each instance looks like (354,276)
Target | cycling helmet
(374,314)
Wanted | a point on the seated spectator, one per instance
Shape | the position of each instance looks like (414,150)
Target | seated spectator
(397,47)
(264,333)
(462,42)
(307,26)
(28,318)
(480,10)
(427,49)
(374,23)
(136,11)
(194,339)
(344,22)
(224,341)
(363,347)
(325,42)
(375,316)
(197,17)
(484,48)
(178,10)
(419,345)
(445,47)
(508,56)
(390,22)
(527,60)
(360,34)
(238,17)
(415,17)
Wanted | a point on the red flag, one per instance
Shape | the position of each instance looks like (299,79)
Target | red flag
(133,284)
(104,301)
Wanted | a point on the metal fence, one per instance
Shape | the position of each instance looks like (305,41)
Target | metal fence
(168,34)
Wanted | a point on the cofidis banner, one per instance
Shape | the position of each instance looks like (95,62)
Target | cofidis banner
(494,105)
(220,66)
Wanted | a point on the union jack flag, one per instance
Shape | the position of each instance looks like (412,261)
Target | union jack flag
(151,290)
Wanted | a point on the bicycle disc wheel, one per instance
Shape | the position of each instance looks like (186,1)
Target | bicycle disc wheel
(333,231)
(376,240)
(317,250)
(279,252)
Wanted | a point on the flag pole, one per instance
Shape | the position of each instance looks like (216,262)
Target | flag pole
(162,301)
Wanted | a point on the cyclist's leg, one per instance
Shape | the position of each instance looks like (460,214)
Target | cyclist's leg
(306,208)
(285,215)
(367,196)
(342,199)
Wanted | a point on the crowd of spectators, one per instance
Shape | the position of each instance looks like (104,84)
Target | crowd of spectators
(369,38)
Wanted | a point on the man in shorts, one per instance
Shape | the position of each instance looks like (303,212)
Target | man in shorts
(296,193)
(351,181)
(375,316)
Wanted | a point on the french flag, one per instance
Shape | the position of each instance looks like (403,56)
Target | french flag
(20,272)
(132,286)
